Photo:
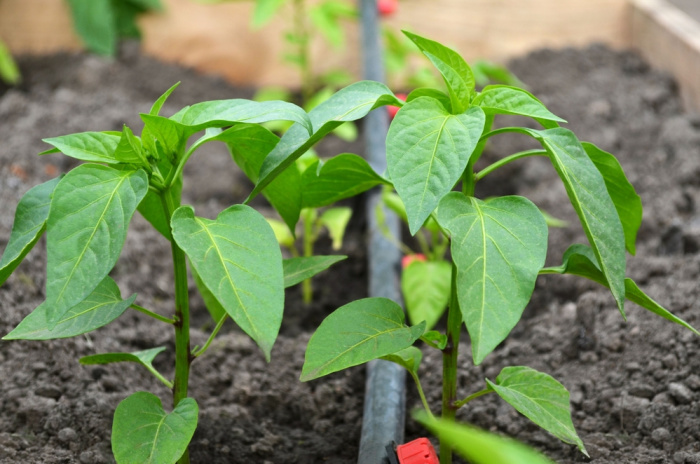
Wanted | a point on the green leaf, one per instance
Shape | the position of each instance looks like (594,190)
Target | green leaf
(238,259)
(427,151)
(540,398)
(86,228)
(145,358)
(434,337)
(28,227)
(356,333)
(9,72)
(163,138)
(328,25)
(153,5)
(87,146)
(125,14)
(216,310)
(581,261)
(498,246)
(95,23)
(432,93)
(502,99)
(408,358)
(455,71)
(342,176)
(627,203)
(479,446)
(336,221)
(158,105)
(101,307)
(143,432)
(129,149)
(589,196)
(348,104)
(151,208)
(282,233)
(426,290)
(264,11)
(296,270)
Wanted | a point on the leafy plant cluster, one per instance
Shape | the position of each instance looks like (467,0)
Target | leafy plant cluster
(497,245)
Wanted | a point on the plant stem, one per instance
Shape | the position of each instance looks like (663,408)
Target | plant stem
(147,312)
(449,364)
(421,393)
(508,159)
(308,217)
(301,31)
(182,317)
(219,324)
(473,396)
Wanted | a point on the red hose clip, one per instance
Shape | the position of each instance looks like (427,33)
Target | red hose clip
(419,451)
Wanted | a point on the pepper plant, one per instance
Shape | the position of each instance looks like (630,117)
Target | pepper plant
(235,258)
(498,245)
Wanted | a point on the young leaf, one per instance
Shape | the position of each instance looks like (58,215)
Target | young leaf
(356,333)
(296,270)
(336,221)
(95,23)
(238,259)
(498,246)
(435,338)
(432,93)
(427,151)
(478,446)
(129,149)
(425,286)
(145,358)
(456,72)
(101,307)
(86,228)
(9,72)
(408,358)
(540,398)
(143,432)
(627,203)
(502,99)
(158,105)
(28,227)
(151,208)
(340,177)
(348,104)
(86,146)
(581,261)
(163,138)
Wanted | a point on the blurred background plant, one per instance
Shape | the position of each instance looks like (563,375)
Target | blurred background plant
(9,73)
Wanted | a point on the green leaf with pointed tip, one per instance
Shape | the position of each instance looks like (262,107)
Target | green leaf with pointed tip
(408,358)
(427,152)
(95,23)
(264,11)
(129,149)
(216,311)
(426,290)
(238,259)
(348,104)
(145,358)
(158,105)
(336,221)
(432,93)
(503,99)
(581,261)
(86,146)
(28,227)
(163,138)
(498,246)
(101,307)
(589,196)
(356,333)
(456,72)
(142,432)
(86,229)
(540,398)
(342,176)
(435,337)
(9,72)
(479,446)
(627,203)
(296,270)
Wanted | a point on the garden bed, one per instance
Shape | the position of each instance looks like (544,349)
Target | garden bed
(635,386)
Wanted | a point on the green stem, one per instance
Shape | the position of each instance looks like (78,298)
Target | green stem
(473,396)
(301,31)
(182,316)
(423,399)
(308,216)
(214,332)
(157,316)
(449,365)
(508,159)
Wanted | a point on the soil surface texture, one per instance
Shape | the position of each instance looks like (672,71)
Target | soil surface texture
(635,385)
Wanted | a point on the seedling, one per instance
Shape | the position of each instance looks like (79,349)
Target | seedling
(235,258)
(498,249)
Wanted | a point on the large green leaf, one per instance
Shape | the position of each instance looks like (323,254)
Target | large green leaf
(216,310)
(498,246)
(427,151)
(479,446)
(90,213)
(456,72)
(101,307)
(581,261)
(340,177)
(86,146)
(356,333)
(296,270)
(142,432)
(30,223)
(238,259)
(95,23)
(627,203)
(503,99)
(348,104)
(426,290)
(540,398)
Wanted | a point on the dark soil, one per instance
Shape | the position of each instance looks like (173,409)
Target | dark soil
(635,385)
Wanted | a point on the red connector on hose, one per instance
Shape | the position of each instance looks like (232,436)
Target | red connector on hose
(419,451)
